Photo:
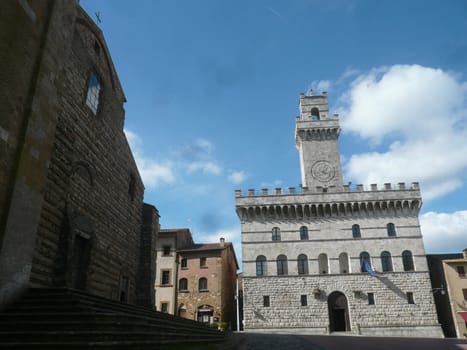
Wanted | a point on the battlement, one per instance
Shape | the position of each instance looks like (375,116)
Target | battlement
(401,186)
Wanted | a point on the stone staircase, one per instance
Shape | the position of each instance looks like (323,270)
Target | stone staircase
(70,319)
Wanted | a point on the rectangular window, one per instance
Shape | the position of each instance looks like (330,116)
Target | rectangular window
(410,299)
(202,262)
(461,271)
(371,298)
(165,307)
(266,302)
(465,294)
(94,88)
(165,277)
(303,300)
(184,263)
(166,250)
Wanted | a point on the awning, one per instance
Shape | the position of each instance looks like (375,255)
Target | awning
(463,315)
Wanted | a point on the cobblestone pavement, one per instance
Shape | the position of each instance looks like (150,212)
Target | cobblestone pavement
(256,341)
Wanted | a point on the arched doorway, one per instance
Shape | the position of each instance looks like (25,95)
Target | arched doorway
(338,312)
(205,314)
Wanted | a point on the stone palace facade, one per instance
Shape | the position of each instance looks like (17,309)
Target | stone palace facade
(305,250)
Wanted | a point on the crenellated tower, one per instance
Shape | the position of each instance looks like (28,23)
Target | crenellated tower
(316,138)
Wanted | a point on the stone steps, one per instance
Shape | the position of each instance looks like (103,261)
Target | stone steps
(63,318)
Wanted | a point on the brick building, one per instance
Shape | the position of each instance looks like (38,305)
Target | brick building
(71,197)
(195,281)
(310,255)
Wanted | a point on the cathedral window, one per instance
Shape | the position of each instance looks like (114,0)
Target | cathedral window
(183,285)
(203,284)
(276,234)
(261,267)
(302,264)
(386,262)
(323,264)
(391,229)
(356,231)
(94,88)
(303,233)
(282,265)
(364,256)
(407,260)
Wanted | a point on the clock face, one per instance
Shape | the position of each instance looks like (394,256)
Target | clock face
(322,171)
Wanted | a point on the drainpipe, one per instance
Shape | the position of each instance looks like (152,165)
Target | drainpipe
(238,310)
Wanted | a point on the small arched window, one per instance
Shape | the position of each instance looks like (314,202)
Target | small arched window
(391,229)
(315,113)
(356,231)
(303,233)
(364,256)
(386,261)
(343,263)
(282,265)
(407,260)
(302,264)
(261,267)
(276,234)
(323,264)
(203,284)
(183,284)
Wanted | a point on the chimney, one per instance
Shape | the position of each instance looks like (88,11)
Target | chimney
(222,242)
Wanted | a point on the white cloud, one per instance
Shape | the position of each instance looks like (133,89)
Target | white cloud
(319,86)
(208,167)
(421,113)
(444,232)
(273,184)
(153,173)
(237,177)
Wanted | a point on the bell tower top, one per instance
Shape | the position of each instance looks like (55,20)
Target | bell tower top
(316,138)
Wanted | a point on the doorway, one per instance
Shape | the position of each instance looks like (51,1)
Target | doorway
(338,312)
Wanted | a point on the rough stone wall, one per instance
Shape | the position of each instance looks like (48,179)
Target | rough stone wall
(147,267)
(91,214)
(34,45)
(391,308)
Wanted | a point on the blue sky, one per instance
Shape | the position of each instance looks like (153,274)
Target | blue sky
(213,86)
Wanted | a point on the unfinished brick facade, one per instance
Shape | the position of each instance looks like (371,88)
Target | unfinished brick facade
(70,192)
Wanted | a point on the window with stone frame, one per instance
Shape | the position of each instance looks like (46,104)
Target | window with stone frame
(364,256)
(203,284)
(391,229)
(93,93)
(276,234)
(371,298)
(184,263)
(165,277)
(461,271)
(302,264)
(386,261)
(261,265)
(183,285)
(166,250)
(303,233)
(410,298)
(323,264)
(407,260)
(303,300)
(266,301)
(464,291)
(356,231)
(165,307)
(202,262)
(282,265)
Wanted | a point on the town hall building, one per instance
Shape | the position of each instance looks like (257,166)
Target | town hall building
(327,257)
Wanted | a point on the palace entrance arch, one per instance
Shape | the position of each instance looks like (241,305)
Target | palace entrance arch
(338,312)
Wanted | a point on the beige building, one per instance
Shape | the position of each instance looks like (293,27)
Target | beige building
(449,282)
(195,281)
(330,257)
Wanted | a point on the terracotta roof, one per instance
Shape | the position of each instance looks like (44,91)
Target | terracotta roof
(206,246)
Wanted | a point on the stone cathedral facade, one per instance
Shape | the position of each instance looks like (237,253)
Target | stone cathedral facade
(329,258)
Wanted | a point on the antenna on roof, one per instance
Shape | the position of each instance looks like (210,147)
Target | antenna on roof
(98,17)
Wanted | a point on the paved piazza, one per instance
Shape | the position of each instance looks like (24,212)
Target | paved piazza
(256,341)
